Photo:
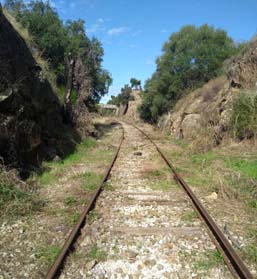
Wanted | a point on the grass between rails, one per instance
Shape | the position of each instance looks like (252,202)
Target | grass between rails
(208,260)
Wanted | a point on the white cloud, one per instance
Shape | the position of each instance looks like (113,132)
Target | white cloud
(100,20)
(117,31)
(164,31)
(98,26)
(136,33)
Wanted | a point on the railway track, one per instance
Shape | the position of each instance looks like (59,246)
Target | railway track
(138,231)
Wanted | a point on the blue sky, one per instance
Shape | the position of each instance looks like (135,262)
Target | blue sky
(133,31)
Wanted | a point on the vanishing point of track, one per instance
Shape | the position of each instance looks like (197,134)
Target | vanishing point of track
(234,262)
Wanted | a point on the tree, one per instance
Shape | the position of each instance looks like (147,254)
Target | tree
(135,83)
(123,97)
(190,58)
(14,6)
(62,45)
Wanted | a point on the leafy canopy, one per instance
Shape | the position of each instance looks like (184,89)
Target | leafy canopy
(190,58)
(57,42)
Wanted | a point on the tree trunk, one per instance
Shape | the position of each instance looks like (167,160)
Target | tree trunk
(67,96)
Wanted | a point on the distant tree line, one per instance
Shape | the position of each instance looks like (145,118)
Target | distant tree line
(125,96)
(190,58)
(59,43)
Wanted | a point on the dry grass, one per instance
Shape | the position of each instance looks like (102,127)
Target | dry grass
(211,89)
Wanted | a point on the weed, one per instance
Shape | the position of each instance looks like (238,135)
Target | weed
(203,159)
(156,173)
(209,260)
(89,143)
(164,185)
(46,254)
(70,200)
(108,187)
(246,167)
(15,201)
(189,216)
(72,219)
(96,253)
(47,178)
(179,142)
(90,181)
(250,252)
(244,115)
(93,215)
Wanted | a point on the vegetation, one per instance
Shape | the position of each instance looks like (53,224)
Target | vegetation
(244,116)
(210,259)
(123,97)
(96,253)
(135,83)
(47,254)
(53,170)
(190,58)
(60,43)
(91,181)
(14,200)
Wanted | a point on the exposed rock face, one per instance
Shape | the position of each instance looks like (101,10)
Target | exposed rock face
(80,114)
(132,112)
(206,111)
(207,108)
(30,114)
(242,70)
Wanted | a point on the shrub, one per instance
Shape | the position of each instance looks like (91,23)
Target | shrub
(244,116)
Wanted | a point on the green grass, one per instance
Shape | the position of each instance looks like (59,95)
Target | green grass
(70,200)
(209,260)
(108,186)
(93,215)
(156,173)
(47,254)
(179,142)
(90,181)
(203,159)
(250,252)
(246,167)
(163,185)
(71,219)
(190,216)
(54,170)
(97,254)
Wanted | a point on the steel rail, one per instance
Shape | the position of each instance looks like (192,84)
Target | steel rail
(58,264)
(223,245)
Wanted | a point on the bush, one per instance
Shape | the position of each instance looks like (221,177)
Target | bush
(244,116)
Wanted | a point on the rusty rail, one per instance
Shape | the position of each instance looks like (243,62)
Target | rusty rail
(55,269)
(221,241)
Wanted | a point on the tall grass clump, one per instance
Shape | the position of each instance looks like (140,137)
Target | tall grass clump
(244,116)
(16,197)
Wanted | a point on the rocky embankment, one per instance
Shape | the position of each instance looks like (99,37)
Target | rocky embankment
(206,111)
(31,117)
